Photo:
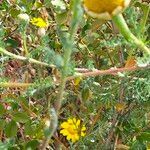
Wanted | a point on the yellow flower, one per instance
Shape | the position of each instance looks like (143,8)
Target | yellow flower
(104,9)
(39,22)
(73,129)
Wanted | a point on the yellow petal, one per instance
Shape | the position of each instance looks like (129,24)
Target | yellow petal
(75,138)
(71,129)
(78,123)
(104,9)
(68,137)
(99,6)
(74,127)
(70,121)
(64,132)
(83,134)
(83,128)
(64,125)
(39,22)
(74,120)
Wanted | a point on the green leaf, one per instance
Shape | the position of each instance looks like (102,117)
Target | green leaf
(10,42)
(21,117)
(31,145)
(11,129)
(14,12)
(137,145)
(145,136)
(2,124)
(38,5)
(85,94)
(4,146)
(2,110)
(62,18)
(28,129)
(4,6)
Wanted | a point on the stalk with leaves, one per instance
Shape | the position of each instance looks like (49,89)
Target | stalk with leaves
(68,45)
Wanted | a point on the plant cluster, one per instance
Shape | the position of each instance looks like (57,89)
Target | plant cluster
(74,74)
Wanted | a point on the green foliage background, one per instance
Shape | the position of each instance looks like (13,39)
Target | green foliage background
(114,108)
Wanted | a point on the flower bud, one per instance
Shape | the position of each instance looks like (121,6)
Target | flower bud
(47,122)
(24,17)
(104,9)
(41,31)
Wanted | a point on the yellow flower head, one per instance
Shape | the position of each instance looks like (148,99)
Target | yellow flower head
(39,22)
(104,9)
(73,129)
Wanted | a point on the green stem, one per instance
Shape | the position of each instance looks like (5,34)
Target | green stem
(125,31)
(23,30)
(31,60)
(52,127)
(146,10)
(25,43)
(68,46)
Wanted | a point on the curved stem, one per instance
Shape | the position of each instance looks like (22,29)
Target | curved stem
(125,31)
(68,45)
(25,44)
(52,127)
(146,10)
(31,60)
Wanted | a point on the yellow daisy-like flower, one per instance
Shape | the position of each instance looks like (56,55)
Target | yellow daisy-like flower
(104,9)
(39,22)
(73,129)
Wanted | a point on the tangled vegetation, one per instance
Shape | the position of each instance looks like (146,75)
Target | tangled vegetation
(74,75)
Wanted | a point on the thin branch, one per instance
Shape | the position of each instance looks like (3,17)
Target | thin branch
(86,73)
(31,60)
(125,31)
(113,71)
(52,128)
(15,85)
(82,70)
